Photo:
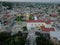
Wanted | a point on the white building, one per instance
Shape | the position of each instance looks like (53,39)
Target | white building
(37,23)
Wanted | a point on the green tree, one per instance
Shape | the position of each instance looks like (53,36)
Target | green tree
(24,28)
(16,39)
(31,17)
(4,36)
(42,40)
(18,18)
(9,4)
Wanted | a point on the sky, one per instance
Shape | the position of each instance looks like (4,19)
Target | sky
(32,0)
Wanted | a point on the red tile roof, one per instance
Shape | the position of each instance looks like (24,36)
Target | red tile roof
(47,29)
(42,20)
(54,14)
(7,16)
(7,12)
(35,21)
(48,22)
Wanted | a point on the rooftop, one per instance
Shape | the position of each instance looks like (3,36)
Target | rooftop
(42,20)
(47,29)
(35,20)
(55,34)
(54,14)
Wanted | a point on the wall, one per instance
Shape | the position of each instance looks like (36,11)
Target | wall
(32,24)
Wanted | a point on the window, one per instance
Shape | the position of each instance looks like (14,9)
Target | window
(31,24)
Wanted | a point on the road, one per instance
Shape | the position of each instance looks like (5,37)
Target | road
(31,38)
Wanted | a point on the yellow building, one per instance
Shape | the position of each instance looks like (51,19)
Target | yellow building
(27,16)
(18,14)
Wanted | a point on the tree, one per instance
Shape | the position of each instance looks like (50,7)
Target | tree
(24,28)
(41,40)
(18,18)
(31,17)
(30,6)
(20,33)
(58,5)
(4,36)
(37,33)
(8,39)
(58,10)
(9,4)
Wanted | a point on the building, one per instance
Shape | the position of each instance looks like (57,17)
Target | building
(37,23)
(54,14)
(8,20)
(55,37)
(47,30)
(16,28)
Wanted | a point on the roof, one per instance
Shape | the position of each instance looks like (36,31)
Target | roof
(55,34)
(42,20)
(35,21)
(47,29)
(53,14)
(7,16)
(48,22)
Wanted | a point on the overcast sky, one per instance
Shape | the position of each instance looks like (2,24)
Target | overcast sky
(32,0)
